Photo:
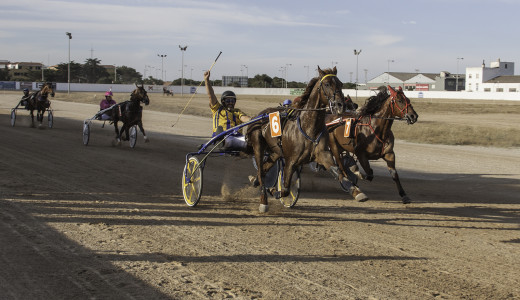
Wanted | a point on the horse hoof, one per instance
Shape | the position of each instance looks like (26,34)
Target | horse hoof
(263,208)
(146,140)
(40,126)
(361,197)
(406,200)
(253,180)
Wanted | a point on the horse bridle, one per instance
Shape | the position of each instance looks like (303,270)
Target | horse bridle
(404,110)
(333,97)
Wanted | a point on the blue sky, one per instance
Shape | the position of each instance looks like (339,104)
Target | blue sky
(266,36)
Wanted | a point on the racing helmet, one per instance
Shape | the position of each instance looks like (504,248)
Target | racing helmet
(26,92)
(287,102)
(228,99)
(109,93)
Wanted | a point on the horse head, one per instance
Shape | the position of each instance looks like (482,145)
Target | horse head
(330,91)
(46,90)
(349,104)
(140,94)
(401,106)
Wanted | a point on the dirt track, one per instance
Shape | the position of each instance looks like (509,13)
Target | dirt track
(103,222)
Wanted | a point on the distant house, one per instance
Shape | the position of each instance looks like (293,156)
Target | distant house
(498,77)
(21,70)
(443,81)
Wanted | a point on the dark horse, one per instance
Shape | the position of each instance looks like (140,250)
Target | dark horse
(39,101)
(304,136)
(371,136)
(130,113)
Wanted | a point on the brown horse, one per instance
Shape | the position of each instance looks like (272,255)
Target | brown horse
(39,101)
(371,136)
(130,113)
(304,136)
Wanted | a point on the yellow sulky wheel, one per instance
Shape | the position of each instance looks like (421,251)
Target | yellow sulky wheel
(290,200)
(192,182)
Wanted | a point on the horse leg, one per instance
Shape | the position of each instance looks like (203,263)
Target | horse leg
(32,119)
(325,159)
(140,124)
(39,117)
(259,150)
(365,164)
(118,135)
(390,162)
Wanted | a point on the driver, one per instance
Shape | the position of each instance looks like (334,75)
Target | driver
(226,116)
(25,97)
(106,103)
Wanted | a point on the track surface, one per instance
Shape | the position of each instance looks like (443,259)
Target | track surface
(104,222)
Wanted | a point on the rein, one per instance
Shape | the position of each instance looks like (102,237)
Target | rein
(315,141)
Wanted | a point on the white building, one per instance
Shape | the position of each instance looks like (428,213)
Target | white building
(498,77)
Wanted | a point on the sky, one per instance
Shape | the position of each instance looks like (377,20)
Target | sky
(287,39)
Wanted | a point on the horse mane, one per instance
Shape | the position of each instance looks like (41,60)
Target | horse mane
(308,90)
(374,103)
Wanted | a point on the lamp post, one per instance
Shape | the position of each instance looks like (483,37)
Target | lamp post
(457,76)
(356,53)
(307,67)
(388,73)
(286,71)
(68,68)
(247,73)
(162,56)
(183,49)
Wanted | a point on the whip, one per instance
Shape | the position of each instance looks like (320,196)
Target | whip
(193,95)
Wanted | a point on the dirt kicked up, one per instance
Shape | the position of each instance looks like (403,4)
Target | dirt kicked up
(104,222)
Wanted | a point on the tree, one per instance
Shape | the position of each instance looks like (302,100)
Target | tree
(92,71)
(62,72)
(154,81)
(4,75)
(128,75)
(260,81)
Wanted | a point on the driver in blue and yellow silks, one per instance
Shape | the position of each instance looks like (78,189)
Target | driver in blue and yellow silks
(226,116)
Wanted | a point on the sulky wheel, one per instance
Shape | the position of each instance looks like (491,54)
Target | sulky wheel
(86,133)
(133,136)
(290,200)
(50,119)
(13,116)
(192,182)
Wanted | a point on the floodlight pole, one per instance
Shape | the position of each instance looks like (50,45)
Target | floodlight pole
(162,56)
(183,49)
(68,68)
(457,77)
(356,53)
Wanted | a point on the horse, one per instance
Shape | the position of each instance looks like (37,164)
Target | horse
(130,113)
(39,101)
(371,137)
(167,92)
(304,136)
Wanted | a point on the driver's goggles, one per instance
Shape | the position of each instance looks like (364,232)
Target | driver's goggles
(229,100)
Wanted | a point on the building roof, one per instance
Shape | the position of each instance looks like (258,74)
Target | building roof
(505,79)
(404,76)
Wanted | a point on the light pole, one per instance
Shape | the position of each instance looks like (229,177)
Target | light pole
(286,71)
(388,73)
(247,74)
(356,53)
(68,68)
(282,69)
(307,72)
(183,49)
(162,56)
(457,78)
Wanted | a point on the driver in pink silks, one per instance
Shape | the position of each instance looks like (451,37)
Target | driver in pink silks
(106,103)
